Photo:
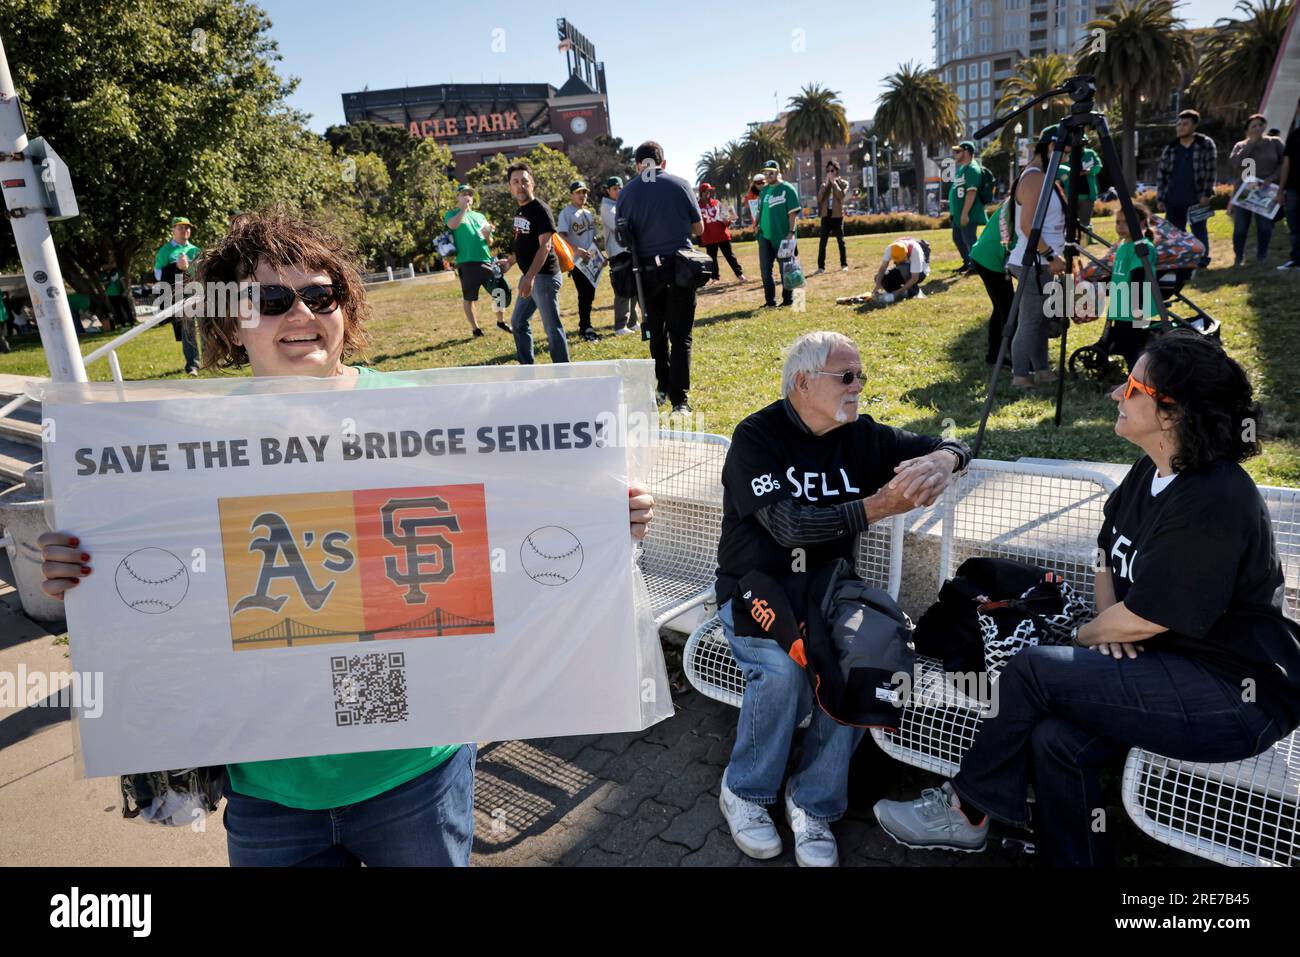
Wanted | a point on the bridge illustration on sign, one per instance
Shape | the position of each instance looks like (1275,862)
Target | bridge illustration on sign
(435,623)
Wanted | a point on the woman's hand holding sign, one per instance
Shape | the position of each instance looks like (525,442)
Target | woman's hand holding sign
(63,564)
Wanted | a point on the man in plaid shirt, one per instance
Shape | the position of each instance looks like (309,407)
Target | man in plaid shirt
(1185,176)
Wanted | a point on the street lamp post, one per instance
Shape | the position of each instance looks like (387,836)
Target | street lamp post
(1015,153)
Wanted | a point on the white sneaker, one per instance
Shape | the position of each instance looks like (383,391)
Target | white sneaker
(814,844)
(625,332)
(1290,264)
(750,824)
(844,269)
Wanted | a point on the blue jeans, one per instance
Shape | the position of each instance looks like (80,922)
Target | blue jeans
(189,342)
(1293,222)
(1241,226)
(545,299)
(426,822)
(1176,214)
(777,696)
(964,236)
(766,259)
(1063,713)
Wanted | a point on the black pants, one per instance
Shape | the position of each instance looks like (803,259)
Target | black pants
(121,310)
(831,227)
(670,314)
(1128,341)
(1001,291)
(586,296)
(725,246)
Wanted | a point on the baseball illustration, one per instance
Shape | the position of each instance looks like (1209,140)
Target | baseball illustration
(152,580)
(551,555)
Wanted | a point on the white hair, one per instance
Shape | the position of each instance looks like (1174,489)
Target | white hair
(810,353)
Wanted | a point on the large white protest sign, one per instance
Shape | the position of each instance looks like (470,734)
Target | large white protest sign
(286,568)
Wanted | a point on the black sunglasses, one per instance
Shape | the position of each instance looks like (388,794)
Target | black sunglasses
(276,300)
(846,377)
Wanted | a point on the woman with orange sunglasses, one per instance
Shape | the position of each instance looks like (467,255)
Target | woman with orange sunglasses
(1190,654)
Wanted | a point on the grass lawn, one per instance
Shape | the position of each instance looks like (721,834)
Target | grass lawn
(924,358)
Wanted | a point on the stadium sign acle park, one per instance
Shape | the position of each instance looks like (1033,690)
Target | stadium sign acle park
(472,124)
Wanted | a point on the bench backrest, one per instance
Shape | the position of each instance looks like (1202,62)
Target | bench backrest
(686,481)
(1284,509)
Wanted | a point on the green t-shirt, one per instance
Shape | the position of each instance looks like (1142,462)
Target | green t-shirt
(171,251)
(1091,167)
(333,780)
(966,178)
(775,203)
(471,247)
(1119,307)
(988,250)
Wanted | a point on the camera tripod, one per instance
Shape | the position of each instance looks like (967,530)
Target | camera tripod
(1083,115)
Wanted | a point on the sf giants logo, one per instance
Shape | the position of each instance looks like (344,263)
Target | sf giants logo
(423,567)
(762,614)
(278,543)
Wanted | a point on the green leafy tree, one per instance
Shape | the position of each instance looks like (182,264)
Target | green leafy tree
(391,142)
(1034,76)
(917,108)
(1237,59)
(1141,54)
(816,121)
(552,172)
(603,157)
(425,191)
(764,142)
(159,109)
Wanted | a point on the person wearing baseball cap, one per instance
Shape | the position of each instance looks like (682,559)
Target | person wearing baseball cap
(778,207)
(964,207)
(756,184)
(577,224)
(717,232)
(173,261)
(621,278)
(476,266)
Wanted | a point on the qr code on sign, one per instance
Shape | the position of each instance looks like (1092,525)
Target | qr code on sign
(369,689)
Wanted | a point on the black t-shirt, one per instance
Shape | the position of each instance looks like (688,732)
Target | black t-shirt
(1292,149)
(1199,559)
(533,219)
(773,457)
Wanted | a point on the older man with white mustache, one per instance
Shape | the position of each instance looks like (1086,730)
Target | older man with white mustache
(802,479)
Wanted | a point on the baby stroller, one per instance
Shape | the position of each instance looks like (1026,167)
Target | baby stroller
(1177,253)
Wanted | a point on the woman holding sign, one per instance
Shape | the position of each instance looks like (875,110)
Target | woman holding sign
(382,808)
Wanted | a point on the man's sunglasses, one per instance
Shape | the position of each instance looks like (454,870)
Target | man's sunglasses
(276,300)
(1135,386)
(846,377)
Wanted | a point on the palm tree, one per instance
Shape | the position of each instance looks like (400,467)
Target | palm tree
(1144,56)
(763,142)
(708,167)
(731,171)
(1033,77)
(917,108)
(1238,57)
(816,120)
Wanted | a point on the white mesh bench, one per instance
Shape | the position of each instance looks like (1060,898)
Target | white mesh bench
(707,658)
(1245,813)
(1043,514)
(679,556)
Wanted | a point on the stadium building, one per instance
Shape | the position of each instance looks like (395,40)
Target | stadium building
(478,120)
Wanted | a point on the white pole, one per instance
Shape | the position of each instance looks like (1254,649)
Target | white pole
(390,273)
(25,200)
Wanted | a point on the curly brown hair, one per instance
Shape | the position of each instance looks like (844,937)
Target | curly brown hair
(276,236)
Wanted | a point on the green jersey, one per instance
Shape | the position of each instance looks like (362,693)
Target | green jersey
(333,780)
(775,204)
(170,252)
(1119,307)
(967,178)
(1091,167)
(471,247)
(988,250)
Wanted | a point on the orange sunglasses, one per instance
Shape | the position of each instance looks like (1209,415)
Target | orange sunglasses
(1135,386)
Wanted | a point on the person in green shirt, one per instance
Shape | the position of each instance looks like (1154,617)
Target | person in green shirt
(778,207)
(171,264)
(6,323)
(1129,304)
(989,260)
(120,310)
(1091,169)
(964,207)
(475,264)
(412,806)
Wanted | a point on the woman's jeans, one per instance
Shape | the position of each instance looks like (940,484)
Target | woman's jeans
(1029,347)
(777,697)
(545,299)
(1063,713)
(1241,225)
(426,822)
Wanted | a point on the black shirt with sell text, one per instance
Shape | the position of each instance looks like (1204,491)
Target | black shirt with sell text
(533,219)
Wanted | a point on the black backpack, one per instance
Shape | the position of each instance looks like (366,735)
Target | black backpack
(993,608)
(987,185)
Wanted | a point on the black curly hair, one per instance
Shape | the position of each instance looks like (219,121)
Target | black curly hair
(1214,408)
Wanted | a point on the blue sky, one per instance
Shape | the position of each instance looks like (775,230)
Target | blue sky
(685,74)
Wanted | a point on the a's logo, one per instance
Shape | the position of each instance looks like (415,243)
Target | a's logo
(764,484)
(423,567)
(278,541)
(762,614)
